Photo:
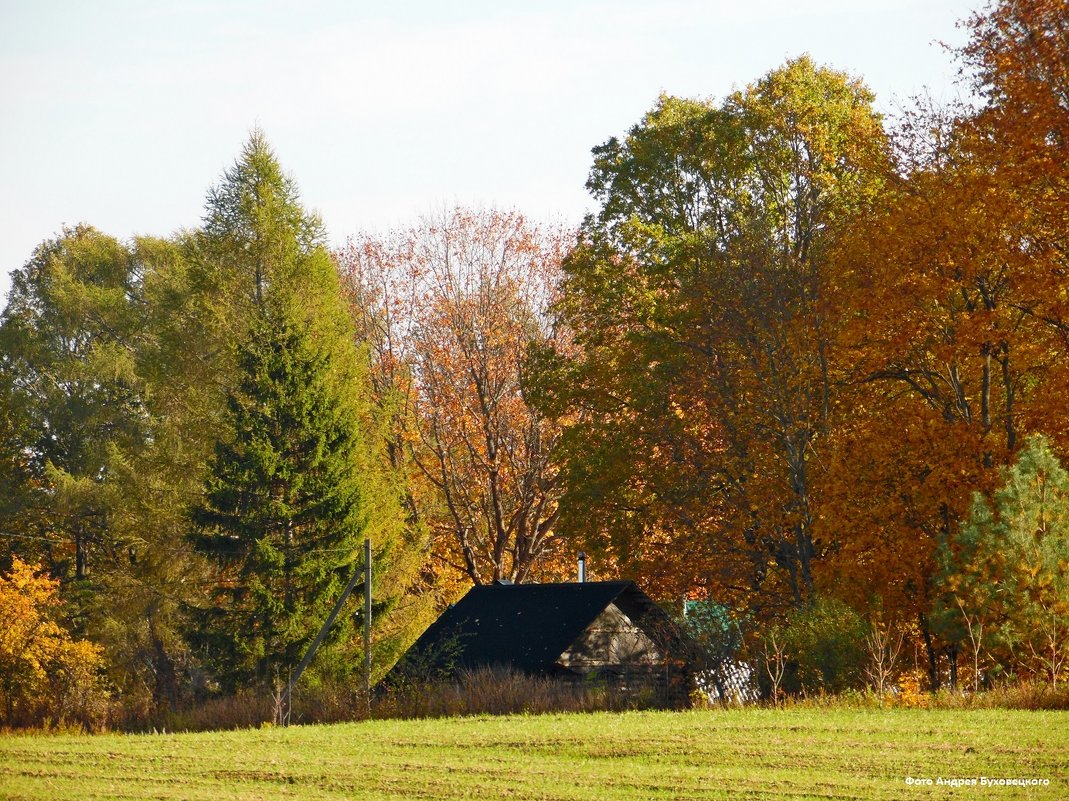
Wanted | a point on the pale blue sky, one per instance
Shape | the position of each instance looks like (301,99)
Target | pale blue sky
(121,114)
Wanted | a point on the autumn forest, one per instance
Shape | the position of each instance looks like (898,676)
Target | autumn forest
(805,363)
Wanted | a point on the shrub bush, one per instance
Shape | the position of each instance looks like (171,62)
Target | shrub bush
(825,648)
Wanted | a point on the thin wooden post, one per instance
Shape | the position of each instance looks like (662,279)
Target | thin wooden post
(295,677)
(367,623)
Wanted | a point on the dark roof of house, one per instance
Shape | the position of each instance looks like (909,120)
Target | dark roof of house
(525,626)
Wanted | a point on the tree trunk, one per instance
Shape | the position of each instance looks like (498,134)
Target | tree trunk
(80,561)
(933,662)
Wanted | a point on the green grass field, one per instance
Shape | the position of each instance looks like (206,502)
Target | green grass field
(753,753)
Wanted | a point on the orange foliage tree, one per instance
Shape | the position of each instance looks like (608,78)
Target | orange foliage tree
(943,364)
(453,305)
(953,297)
(1018,59)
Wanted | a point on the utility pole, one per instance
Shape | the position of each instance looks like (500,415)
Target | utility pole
(367,624)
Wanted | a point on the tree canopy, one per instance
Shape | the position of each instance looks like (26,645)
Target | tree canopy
(802,364)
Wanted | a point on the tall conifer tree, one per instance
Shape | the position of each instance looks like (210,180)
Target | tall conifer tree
(297,480)
(284,509)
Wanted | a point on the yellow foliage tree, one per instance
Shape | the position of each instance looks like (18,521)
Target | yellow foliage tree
(46,676)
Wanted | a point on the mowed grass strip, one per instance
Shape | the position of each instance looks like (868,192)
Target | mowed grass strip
(749,753)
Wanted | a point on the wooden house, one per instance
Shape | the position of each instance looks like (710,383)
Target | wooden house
(608,631)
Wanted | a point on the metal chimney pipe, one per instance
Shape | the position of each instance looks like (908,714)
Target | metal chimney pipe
(582,567)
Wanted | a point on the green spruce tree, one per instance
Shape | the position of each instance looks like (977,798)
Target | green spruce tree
(299,476)
(284,510)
